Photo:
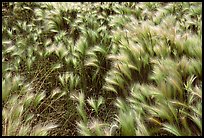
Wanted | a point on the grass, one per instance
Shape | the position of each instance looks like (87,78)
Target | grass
(101,69)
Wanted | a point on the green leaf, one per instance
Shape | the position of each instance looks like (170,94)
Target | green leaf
(39,97)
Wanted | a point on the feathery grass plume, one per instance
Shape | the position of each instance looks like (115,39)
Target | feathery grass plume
(97,127)
(145,58)
(126,121)
(193,47)
(168,71)
(95,104)
(16,119)
(81,105)
(57,93)
(83,129)
(172,129)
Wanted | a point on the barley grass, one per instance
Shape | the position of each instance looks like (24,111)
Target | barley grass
(101,69)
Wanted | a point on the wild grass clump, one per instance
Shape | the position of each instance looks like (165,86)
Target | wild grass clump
(101,69)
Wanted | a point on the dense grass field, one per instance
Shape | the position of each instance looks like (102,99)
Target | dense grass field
(102,69)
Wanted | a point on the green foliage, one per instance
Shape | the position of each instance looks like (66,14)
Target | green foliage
(102,68)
